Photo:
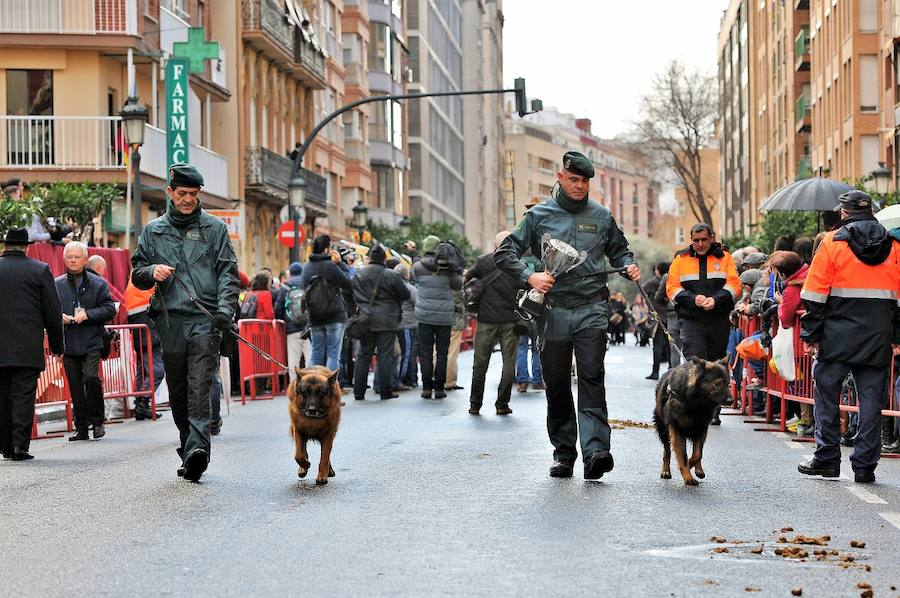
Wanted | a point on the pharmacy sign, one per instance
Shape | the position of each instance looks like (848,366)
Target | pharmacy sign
(177,143)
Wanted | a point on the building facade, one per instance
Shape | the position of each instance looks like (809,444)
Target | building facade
(676,217)
(534,149)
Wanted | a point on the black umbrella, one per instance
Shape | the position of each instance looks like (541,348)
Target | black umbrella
(815,194)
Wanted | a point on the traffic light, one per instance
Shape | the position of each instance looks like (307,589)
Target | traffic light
(521,100)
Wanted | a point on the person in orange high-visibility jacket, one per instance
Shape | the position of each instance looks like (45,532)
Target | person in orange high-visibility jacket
(137,305)
(703,285)
(852,319)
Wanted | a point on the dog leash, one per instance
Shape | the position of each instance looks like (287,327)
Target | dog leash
(659,321)
(231,330)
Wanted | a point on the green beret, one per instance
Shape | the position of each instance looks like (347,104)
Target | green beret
(184,175)
(578,163)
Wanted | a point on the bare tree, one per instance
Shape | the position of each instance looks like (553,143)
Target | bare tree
(678,120)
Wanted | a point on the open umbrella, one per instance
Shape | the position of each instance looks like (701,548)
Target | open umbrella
(889,217)
(816,194)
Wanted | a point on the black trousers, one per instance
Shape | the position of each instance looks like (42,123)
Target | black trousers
(383,342)
(18,387)
(661,350)
(82,372)
(434,371)
(589,345)
(189,374)
(706,340)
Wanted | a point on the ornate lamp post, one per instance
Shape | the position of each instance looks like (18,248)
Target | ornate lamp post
(405,225)
(297,211)
(134,117)
(881,176)
(360,219)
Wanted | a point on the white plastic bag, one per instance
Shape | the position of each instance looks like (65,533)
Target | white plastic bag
(783,354)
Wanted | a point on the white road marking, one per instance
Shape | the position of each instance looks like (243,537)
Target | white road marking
(797,446)
(892,518)
(866,496)
(781,435)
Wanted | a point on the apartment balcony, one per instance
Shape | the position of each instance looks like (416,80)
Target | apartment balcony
(804,168)
(801,4)
(94,144)
(79,17)
(267,28)
(268,173)
(802,115)
(801,50)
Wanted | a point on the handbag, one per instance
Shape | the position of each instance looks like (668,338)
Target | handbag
(615,319)
(783,354)
(358,324)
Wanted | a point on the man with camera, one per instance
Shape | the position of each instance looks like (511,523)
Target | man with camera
(578,318)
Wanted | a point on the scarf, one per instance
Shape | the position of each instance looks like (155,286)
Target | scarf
(180,220)
(568,204)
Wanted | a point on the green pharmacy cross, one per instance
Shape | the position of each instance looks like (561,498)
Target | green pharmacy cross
(195,49)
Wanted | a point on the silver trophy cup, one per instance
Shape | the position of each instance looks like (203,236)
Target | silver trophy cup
(558,258)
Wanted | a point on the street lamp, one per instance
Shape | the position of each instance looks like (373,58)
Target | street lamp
(881,176)
(405,224)
(134,117)
(360,218)
(297,211)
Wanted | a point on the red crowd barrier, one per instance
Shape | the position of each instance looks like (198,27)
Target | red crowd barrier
(467,341)
(800,390)
(270,336)
(130,347)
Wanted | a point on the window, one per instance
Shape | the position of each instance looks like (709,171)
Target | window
(868,82)
(386,123)
(397,8)
(679,234)
(380,48)
(179,7)
(385,189)
(330,23)
(29,92)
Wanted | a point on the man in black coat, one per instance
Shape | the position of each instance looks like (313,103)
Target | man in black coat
(86,308)
(496,322)
(28,306)
(380,293)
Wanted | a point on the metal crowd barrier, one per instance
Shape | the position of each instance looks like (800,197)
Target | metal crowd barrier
(131,349)
(270,336)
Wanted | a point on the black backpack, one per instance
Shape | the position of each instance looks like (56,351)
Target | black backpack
(473,290)
(448,256)
(248,307)
(321,300)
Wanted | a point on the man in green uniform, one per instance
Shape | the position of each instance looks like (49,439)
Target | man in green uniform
(187,253)
(576,316)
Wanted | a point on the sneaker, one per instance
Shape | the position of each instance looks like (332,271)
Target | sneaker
(99,431)
(440,394)
(215,426)
(80,434)
(523,387)
(847,439)
(754,384)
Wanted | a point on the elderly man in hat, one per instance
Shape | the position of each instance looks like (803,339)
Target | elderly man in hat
(187,254)
(578,318)
(851,323)
(29,305)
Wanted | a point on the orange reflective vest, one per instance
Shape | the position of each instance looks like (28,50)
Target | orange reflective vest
(137,300)
(851,295)
(711,275)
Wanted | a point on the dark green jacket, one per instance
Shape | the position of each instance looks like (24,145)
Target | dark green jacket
(203,258)
(592,229)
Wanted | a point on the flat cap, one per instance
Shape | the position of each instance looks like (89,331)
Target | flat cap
(755,259)
(578,163)
(184,175)
(751,277)
(854,200)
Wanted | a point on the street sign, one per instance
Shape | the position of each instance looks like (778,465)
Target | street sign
(232,219)
(284,215)
(286,234)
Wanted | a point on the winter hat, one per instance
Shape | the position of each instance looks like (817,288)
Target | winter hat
(751,277)
(377,255)
(295,269)
(429,245)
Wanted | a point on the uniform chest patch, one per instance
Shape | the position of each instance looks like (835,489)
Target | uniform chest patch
(717,267)
(193,235)
(587,227)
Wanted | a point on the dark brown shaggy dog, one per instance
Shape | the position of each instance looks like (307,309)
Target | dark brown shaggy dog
(686,401)
(315,409)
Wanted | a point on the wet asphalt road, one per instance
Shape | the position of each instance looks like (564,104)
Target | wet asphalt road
(428,501)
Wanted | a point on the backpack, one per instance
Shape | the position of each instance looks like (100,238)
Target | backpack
(320,299)
(248,307)
(295,306)
(473,290)
(448,256)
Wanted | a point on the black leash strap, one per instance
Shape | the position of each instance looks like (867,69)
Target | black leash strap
(209,315)
(659,321)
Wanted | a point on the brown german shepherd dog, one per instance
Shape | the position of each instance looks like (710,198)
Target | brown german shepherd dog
(686,401)
(315,410)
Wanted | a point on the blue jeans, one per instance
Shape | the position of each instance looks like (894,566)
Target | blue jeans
(326,344)
(215,395)
(522,376)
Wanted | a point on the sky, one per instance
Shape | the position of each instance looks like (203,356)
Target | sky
(595,58)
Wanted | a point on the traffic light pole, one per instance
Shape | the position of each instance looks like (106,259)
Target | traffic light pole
(519,90)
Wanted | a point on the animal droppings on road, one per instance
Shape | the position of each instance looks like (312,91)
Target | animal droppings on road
(857,544)
(797,592)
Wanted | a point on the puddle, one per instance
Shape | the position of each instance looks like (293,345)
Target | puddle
(764,552)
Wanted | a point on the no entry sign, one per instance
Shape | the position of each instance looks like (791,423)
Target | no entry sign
(286,234)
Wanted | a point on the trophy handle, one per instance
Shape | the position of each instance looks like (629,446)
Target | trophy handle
(582,255)
(545,240)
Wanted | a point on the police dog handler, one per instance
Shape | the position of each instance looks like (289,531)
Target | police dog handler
(576,315)
(188,251)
